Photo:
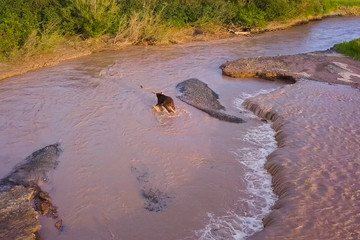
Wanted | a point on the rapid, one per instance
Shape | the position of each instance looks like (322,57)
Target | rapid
(116,151)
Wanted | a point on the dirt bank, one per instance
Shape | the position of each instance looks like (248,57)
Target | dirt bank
(74,48)
(70,49)
(316,169)
(78,48)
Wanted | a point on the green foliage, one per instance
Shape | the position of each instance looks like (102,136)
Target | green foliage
(274,9)
(142,26)
(90,18)
(351,48)
(250,16)
(20,18)
(348,3)
(39,24)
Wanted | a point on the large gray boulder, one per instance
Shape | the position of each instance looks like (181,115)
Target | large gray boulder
(198,94)
(19,219)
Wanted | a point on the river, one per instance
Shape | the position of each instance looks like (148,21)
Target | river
(115,148)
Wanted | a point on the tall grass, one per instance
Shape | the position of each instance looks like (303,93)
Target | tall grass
(142,25)
(347,3)
(39,25)
(351,48)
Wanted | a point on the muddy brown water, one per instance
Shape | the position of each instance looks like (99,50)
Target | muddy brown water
(316,170)
(210,173)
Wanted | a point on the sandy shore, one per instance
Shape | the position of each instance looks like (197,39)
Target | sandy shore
(316,168)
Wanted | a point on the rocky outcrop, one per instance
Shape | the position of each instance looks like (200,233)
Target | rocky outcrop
(324,66)
(18,219)
(197,94)
(18,213)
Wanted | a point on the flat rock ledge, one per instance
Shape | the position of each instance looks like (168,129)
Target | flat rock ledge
(18,219)
(325,66)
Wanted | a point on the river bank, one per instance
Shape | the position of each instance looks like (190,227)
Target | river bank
(117,153)
(315,169)
(75,48)
(325,66)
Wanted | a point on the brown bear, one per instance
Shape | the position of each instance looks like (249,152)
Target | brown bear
(164,102)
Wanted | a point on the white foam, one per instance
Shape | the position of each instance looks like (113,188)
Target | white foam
(261,143)
(240,100)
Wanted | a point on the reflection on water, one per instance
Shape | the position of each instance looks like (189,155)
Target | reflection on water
(116,148)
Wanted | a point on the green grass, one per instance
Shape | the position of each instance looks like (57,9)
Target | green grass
(347,3)
(28,26)
(351,49)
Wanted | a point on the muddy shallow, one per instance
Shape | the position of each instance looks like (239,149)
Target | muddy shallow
(117,153)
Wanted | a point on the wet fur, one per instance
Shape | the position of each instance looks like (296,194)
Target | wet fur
(165,102)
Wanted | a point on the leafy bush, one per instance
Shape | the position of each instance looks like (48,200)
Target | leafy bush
(21,18)
(90,18)
(274,9)
(250,16)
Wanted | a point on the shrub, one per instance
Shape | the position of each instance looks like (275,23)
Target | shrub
(90,18)
(21,18)
(274,9)
(250,16)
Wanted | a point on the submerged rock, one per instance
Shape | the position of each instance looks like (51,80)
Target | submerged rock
(197,94)
(59,225)
(156,200)
(18,217)
(35,168)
